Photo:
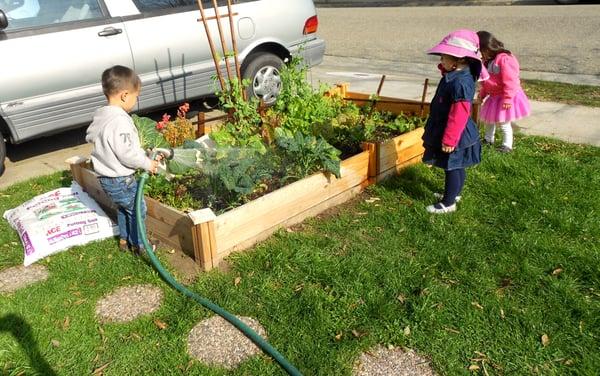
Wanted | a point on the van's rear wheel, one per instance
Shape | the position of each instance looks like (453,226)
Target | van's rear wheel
(2,153)
(265,80)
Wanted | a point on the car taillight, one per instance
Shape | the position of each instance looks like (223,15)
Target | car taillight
(311,25)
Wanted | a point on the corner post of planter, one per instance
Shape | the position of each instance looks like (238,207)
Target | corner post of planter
(373,169)
(76,165)
(203,236)
(343,88)
(201,126)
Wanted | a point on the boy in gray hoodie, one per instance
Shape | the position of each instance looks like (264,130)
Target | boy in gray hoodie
(117,152)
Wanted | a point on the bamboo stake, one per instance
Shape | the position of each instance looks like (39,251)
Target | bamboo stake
(211,45)
(223,44)
(424,95)
(235,50)
(380,84)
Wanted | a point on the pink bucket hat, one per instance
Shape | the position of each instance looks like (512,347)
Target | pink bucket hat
(461,43)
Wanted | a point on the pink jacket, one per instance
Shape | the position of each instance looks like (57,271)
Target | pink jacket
(504,77)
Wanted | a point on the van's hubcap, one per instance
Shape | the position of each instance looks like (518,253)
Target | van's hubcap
(267,84)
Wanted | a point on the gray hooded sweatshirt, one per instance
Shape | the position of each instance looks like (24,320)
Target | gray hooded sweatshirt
(117,150)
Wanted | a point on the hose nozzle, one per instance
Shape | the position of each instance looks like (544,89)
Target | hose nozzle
(167,153)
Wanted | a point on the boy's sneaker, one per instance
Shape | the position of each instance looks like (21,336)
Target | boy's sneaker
(440,196)
(440,208)
(505,149)
(140,250)
(123,246)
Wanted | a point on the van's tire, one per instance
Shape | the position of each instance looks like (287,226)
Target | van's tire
(2,153)
(265,81)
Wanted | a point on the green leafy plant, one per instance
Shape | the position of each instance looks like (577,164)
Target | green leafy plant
(150,137)
(307,153)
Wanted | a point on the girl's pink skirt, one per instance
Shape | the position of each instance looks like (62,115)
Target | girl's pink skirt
(492,111)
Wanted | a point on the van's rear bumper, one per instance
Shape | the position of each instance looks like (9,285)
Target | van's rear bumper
(312,51)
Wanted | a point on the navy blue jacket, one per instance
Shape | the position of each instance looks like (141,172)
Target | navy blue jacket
(455,86)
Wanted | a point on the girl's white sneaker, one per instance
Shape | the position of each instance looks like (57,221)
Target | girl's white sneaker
(440,196)
(440,208)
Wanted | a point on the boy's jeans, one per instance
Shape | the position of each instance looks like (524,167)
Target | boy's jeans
(121,191)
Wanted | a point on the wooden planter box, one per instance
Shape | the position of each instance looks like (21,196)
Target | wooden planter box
(209,238)
(391,156)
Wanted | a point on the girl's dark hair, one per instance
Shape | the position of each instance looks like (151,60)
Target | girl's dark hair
(118,78)
(488,42)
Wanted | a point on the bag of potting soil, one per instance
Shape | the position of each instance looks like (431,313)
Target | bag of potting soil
(57,220)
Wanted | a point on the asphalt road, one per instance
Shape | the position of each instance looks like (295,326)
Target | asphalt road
(552,38)
(547,38)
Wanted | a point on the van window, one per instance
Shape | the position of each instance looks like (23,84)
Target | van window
(149,5)
(33,13)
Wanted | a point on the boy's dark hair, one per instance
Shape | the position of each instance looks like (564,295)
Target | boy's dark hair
(488,42)
(118,78)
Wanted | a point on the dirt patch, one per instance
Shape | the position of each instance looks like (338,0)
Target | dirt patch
(216,342)
(15,278)
(186,269)
(128,303)
(391,362)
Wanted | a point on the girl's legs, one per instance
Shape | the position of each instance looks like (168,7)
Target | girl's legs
(454,182)
(490,129)
(507,135)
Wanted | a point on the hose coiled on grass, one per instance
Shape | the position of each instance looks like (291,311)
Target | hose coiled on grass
(245,329)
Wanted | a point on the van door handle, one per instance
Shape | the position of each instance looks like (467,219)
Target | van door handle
(110,31)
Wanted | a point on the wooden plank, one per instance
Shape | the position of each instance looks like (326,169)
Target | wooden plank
(244,223)
(311,212)
(400,148)
(398,168)
(170,226)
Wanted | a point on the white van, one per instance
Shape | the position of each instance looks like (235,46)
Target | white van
(54,51)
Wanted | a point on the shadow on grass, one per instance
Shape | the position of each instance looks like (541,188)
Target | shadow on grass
(21,330)
(415,183)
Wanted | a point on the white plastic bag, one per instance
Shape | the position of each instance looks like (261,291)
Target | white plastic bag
(57,220)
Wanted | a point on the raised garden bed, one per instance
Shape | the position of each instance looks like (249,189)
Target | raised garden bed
(209,238)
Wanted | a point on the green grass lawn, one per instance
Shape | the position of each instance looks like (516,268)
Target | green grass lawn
(520,259)
(549,91)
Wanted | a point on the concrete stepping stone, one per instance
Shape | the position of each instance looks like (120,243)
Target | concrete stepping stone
(215,342)
(18,277)
(129,303)
(381,361)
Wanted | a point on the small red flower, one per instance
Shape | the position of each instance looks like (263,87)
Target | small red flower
(183,109)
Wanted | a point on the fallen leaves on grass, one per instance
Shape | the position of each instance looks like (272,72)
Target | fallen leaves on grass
(100,370)
(372,200)
(557,271)
(55,343)
(358,334)
(407,331)
(545,340)
(160,324)
(66,323)
(477,305)
(237,281)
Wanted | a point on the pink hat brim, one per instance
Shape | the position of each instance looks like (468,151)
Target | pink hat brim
(452,51)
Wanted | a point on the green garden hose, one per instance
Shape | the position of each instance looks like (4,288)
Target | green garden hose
(248,332)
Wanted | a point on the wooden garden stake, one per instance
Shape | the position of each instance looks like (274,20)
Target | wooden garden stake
(235,50)
(211,45)
(223,44)
(423,96)
(380,85)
